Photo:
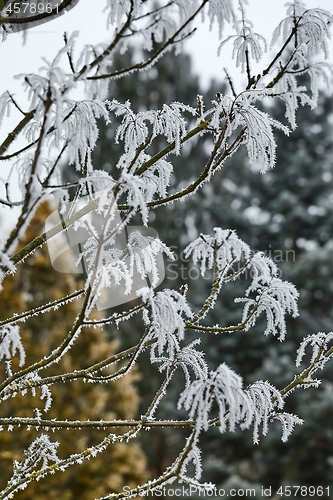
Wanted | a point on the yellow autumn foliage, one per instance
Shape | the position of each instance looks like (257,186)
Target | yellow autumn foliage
(121,464)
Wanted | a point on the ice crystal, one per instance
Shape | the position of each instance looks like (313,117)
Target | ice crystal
(5,106)
(40,453)
(224,387)
(221,250)
(319,343)
(276,299)
(164,316)
(143,251)
(265,398)
(10,343)
(288,422)
(246,44)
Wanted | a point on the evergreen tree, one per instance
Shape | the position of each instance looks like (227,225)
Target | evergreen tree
(122,464)
(287,214)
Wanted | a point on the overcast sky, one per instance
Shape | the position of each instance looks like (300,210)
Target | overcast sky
(45,40)
(265,16)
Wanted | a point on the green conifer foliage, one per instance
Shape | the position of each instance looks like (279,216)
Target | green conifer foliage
(121,464)
(286,213)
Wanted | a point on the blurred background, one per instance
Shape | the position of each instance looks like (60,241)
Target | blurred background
(286,213)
